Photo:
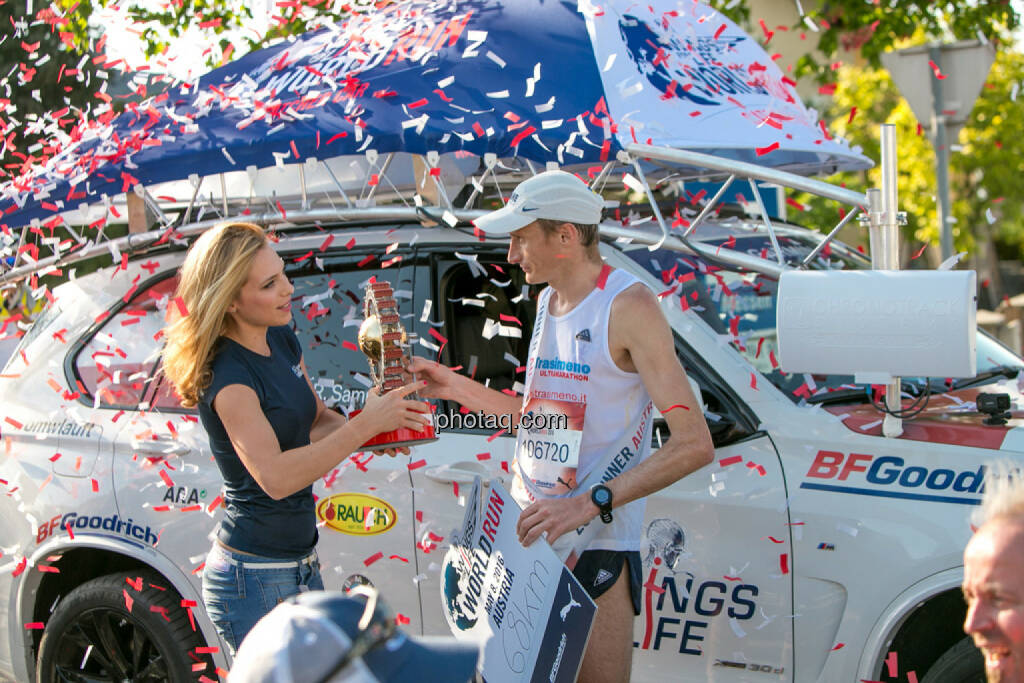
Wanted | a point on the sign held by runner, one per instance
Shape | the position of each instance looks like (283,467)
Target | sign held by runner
(527,611)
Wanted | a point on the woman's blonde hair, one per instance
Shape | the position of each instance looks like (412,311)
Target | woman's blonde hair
(215,269)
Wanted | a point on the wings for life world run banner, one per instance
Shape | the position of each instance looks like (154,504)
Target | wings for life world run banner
(522,605)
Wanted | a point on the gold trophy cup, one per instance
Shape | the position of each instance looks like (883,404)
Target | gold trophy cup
(387,346)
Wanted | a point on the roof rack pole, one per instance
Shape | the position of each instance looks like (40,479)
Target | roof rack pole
(383,171)
(767,221)
(302,186)
(828,238)
(742,168)
(224,195)
(601,176)
(710,205)
(192,201)
(21,243)
(148,198)
(337,184)
(654,205)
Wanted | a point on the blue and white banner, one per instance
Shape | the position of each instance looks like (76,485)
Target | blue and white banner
(542,81)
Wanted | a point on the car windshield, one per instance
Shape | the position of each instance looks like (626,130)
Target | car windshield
(741,305)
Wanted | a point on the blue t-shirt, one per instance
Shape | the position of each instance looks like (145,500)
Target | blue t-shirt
(254,522)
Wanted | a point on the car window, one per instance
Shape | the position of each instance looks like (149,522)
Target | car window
(487,310)
(742,305)
(327,310)
(114,366)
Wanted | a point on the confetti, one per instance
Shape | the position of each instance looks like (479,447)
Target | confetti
(784,563)
(128,600)
(373,558)
(35,625)
(731,460)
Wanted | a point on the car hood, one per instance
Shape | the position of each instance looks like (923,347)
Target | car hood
(949,418)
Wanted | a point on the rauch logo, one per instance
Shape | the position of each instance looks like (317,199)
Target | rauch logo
(356,514)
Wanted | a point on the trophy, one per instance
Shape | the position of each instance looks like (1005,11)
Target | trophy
(387,346)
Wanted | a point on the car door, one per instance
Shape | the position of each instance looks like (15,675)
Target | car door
(716,551)
(365,505)
(476,314)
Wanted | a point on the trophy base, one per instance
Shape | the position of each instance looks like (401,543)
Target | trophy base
(400,437)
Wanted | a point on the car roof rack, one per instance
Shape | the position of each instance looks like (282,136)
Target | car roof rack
(380,190)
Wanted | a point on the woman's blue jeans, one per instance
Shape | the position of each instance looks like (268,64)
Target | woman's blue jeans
(239,588)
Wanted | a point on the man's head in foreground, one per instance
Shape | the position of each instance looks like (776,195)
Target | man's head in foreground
(994,576)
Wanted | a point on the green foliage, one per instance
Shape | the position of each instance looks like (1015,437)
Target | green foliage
(986,163)
(872,27)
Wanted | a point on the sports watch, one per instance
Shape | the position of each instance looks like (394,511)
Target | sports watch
(601,496)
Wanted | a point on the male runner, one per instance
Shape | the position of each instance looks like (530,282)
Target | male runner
(600,353)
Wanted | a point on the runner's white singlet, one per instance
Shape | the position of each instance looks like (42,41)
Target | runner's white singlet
(607,412)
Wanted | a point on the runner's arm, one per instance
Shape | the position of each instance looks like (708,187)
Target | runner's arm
(444,383)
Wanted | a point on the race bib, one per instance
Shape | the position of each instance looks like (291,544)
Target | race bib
(548,444)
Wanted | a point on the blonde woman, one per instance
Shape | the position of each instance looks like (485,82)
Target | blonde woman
(234,356)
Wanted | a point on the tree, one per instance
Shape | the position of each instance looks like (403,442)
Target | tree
(985,167)
(868,26)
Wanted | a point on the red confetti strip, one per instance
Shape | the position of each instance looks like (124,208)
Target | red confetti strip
(784,563)
(207,650)
(731,460)
(35,625)
(838,646)
(11,421)
(416,465)
(891,662)
(853,112)
(215,503)
(20,567)
(399,557)
(775,540)
(401,619)
(483,456)
(136,584)
(753,380)
(95,486)
(162,611)
(373,558)
(327,243)
(761,151)
(438,336)
(602,278)
(166,478)
(917,254)
(182,308)
(719,30)
(128,601)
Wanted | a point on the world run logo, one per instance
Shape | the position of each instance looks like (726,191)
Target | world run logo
(690,68)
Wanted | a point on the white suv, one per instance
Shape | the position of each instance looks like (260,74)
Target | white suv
(812,548)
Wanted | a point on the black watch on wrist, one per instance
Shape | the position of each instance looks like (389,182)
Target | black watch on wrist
(601,496)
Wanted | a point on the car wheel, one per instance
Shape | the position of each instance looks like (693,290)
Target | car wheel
(962,663)
(95,635)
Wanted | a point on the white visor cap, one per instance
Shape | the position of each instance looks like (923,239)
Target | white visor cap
(554,195)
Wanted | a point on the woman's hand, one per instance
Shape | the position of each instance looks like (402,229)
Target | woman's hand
(390,411)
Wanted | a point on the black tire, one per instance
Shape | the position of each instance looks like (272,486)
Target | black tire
(962,663)
(137,645)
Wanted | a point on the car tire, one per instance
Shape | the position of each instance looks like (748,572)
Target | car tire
(962,663)
(94,634)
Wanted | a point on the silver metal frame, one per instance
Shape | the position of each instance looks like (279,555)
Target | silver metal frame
(307,212)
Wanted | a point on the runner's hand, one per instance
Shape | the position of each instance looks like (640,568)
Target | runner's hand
(440,379)
(554,517)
